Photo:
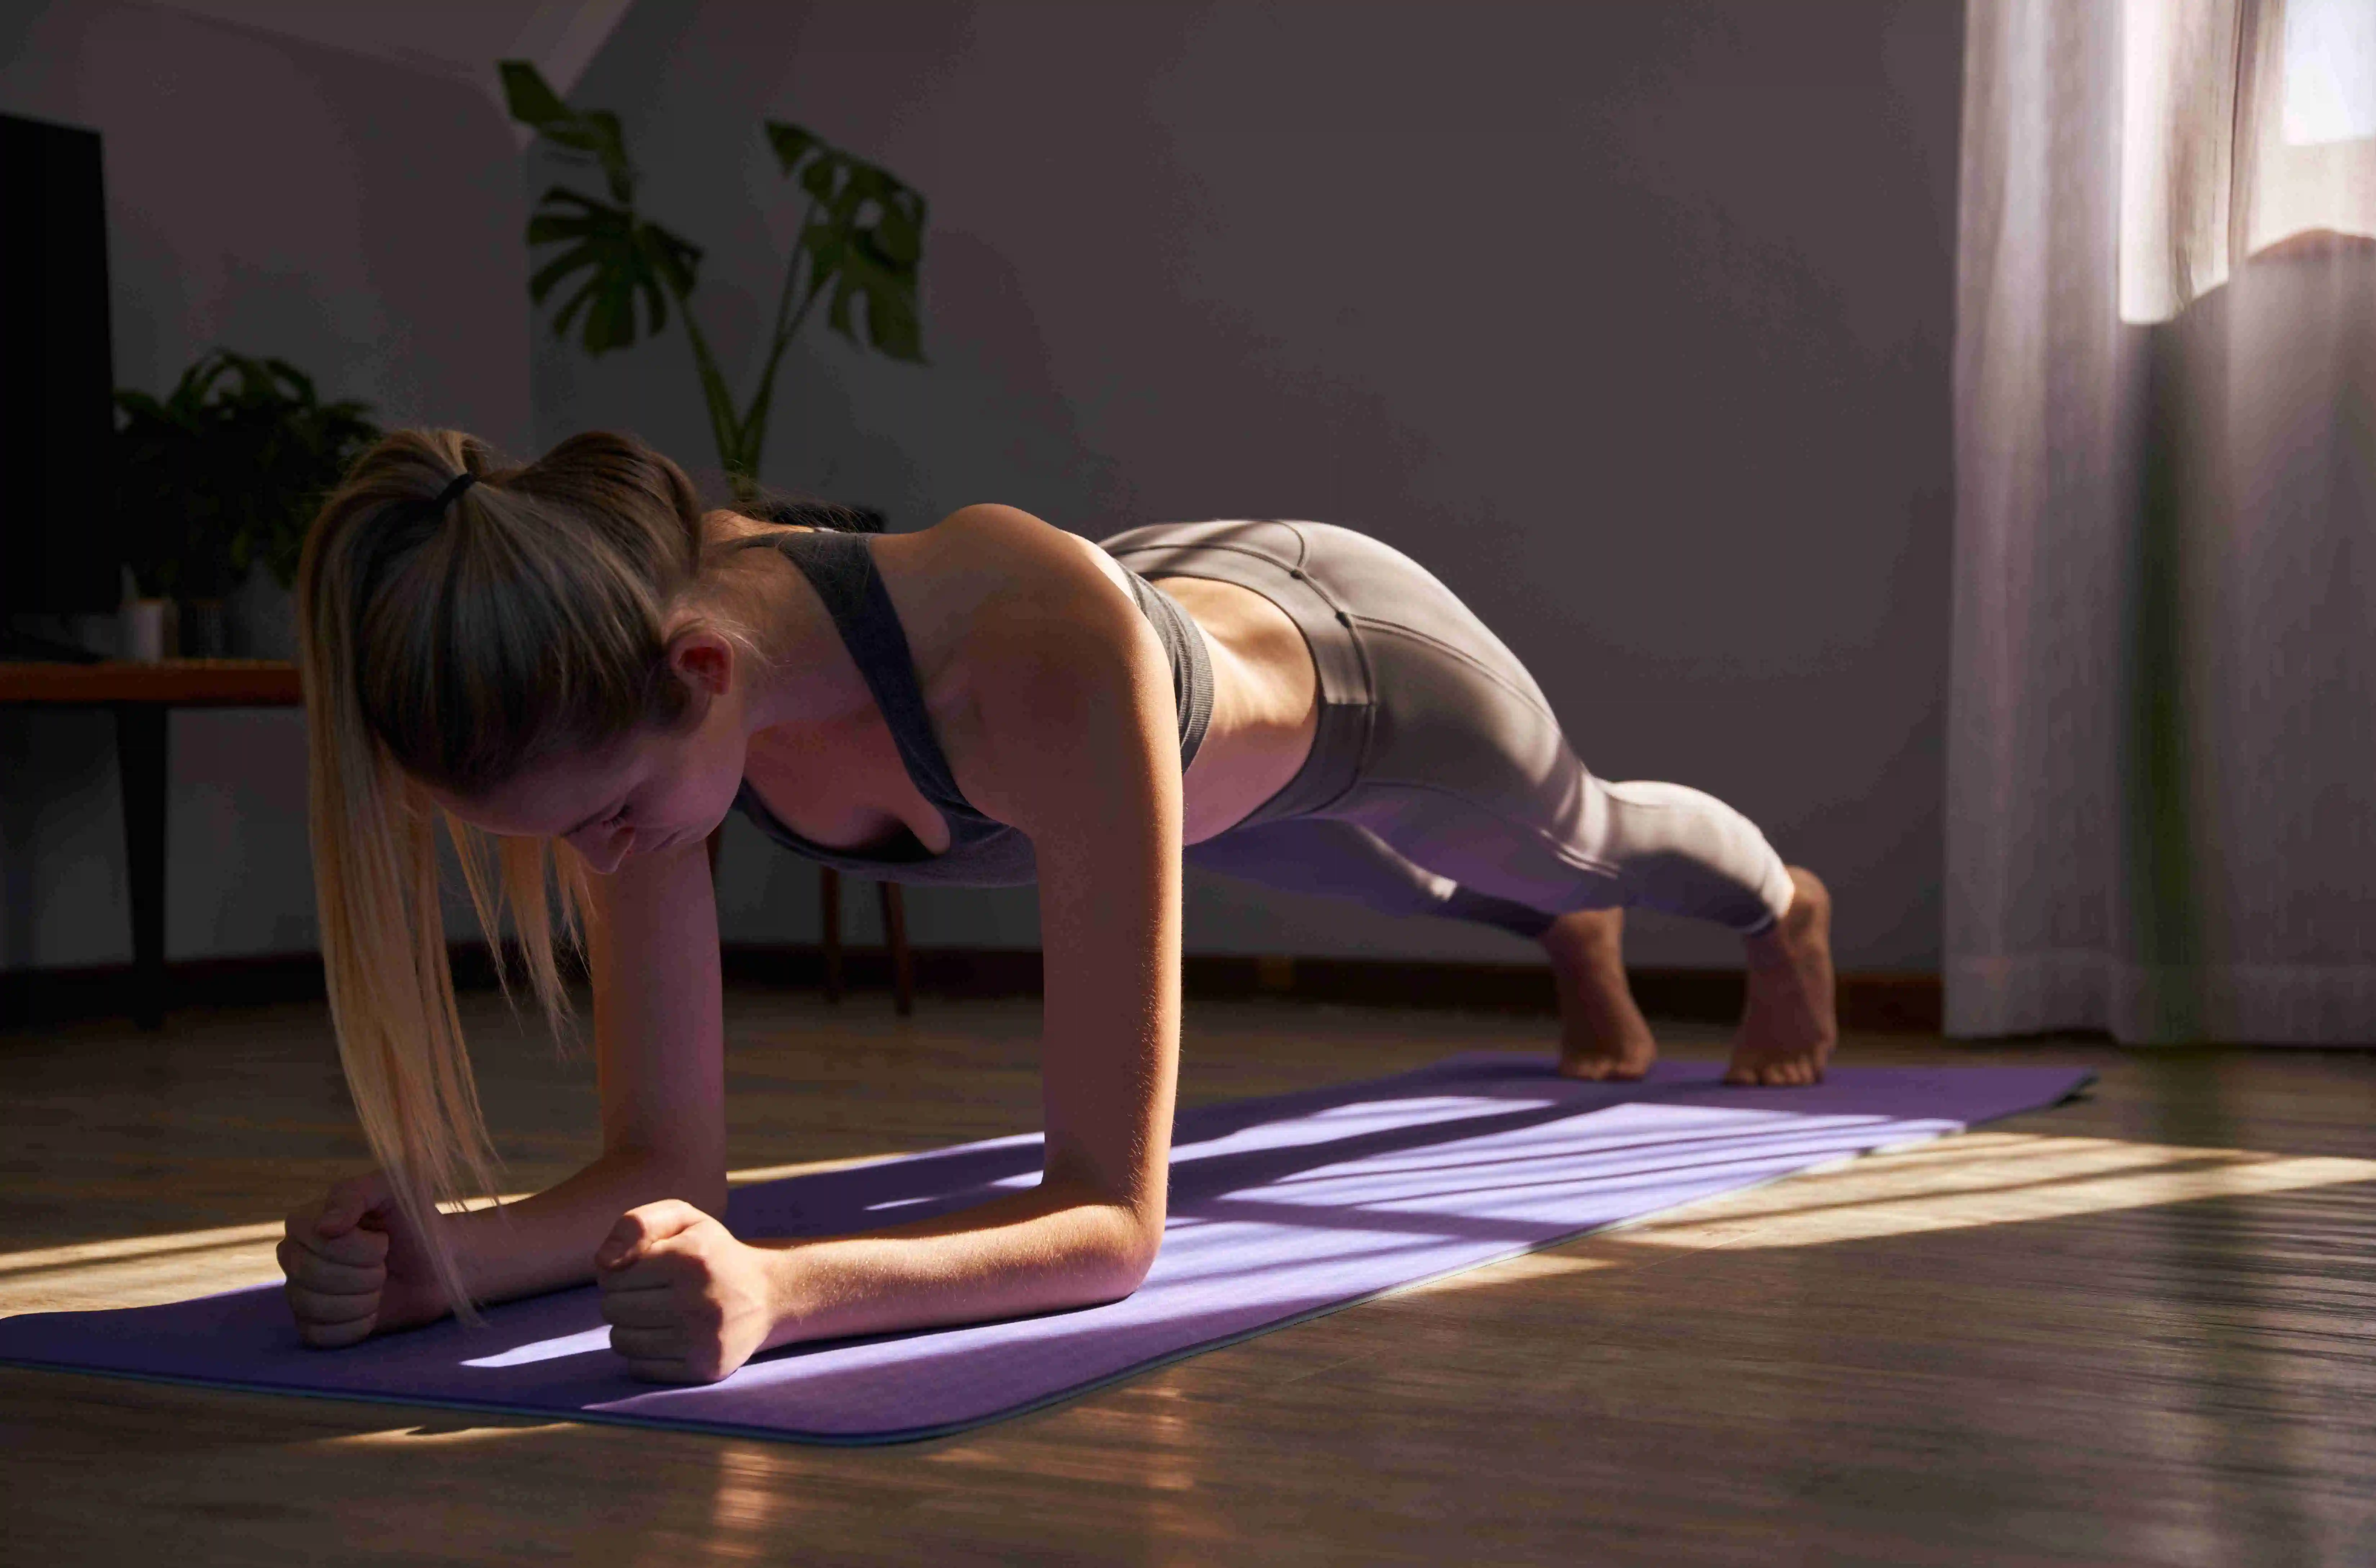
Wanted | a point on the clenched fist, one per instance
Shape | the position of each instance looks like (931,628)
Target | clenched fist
(354,1268)
(686,1300)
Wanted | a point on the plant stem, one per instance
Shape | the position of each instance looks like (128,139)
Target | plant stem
(741,436)
(723,425)
(755,424)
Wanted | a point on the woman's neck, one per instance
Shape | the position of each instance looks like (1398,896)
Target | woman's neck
(810,677)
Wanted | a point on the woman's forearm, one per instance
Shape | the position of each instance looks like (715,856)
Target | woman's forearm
(548,1240)
(1036,1251)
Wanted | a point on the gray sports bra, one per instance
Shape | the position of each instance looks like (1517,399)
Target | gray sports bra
(981,852)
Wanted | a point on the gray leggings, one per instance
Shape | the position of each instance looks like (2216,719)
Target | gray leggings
(1438,782)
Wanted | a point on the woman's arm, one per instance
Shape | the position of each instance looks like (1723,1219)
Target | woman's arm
(660,1063)
(652,936)
(1068,734)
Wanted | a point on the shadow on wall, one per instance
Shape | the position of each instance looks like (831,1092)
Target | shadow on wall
(1003,429)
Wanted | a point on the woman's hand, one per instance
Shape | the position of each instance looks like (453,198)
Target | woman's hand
(686,1300)
(354,1268)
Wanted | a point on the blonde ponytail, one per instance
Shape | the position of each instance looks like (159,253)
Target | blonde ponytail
(460,649)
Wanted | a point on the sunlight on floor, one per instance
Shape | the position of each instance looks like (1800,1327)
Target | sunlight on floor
(1979,1179)
(139,1271)
(1953,1183)
(1960,1182)
(435,1437)
(1509,1271)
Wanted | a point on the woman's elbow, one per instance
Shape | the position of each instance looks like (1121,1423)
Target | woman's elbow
(1114,1249)
(1132,1256)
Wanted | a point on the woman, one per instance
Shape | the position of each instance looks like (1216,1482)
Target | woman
(572,656)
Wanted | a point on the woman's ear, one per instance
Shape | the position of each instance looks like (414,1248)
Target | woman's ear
(702,659)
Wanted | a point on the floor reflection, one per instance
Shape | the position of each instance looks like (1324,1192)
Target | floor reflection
(2247,1412)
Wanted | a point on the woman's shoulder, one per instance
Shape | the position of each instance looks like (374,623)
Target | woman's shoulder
(986,533)
(989,555)
(999,606)
(1022,634)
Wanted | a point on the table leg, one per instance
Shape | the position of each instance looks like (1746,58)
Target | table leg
(829,890)
(140,760)
(894,934)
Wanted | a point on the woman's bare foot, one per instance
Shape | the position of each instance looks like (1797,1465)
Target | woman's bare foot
(1602,1034)
(1790,1026)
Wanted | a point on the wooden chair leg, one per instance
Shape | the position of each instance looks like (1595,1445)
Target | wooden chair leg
(894,933)
(830,882)
(142,731)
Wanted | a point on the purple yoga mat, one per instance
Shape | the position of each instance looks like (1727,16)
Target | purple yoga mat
(1281,1208)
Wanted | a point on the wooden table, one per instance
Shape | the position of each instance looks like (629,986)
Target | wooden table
(142,697)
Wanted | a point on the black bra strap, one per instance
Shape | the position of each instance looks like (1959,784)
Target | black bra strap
(840,566)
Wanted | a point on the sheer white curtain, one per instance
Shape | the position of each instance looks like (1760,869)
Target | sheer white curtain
(2162,737)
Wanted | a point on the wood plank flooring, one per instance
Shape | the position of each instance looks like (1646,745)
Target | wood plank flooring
(2139,1329)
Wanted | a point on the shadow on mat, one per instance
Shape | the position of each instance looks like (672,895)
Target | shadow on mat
(927,1185)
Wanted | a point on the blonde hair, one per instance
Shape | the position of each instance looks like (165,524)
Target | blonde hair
(461,646)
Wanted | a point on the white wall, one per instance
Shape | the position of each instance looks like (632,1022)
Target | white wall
(1631,321)
(357,218)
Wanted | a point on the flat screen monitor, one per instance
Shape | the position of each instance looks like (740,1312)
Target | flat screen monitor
(57,551)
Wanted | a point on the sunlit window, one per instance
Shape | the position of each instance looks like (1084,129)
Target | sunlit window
(2330,71)
(2178,109)
(2244,130)
(2313,165)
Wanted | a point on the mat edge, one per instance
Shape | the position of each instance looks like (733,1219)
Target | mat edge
(2082,1078)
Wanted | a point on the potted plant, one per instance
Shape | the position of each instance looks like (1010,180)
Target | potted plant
(860,252)
(225,471)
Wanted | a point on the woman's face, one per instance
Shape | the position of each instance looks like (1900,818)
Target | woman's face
(655,790)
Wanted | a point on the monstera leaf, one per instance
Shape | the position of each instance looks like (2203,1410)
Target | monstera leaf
(863,240)
(622,259)
(587,134)
(616,255)
(860,250)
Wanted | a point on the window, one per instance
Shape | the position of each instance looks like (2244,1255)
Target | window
(2247,126)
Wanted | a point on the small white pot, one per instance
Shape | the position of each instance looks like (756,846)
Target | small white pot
(148,629)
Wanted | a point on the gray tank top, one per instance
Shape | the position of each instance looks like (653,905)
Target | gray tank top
(981,852)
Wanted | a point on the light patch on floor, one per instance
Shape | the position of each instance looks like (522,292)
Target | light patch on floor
(1509,1271)
(1952,1184)
(432,1437)
(146,1271)
(136,1247)
(1979,1179)
(778,1172)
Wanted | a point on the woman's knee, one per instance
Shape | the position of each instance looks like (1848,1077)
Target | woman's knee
(1686,852)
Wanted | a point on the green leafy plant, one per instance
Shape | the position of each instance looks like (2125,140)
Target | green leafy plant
(860,251)
(226,469)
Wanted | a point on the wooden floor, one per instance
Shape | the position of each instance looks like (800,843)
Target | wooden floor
(2138,1329)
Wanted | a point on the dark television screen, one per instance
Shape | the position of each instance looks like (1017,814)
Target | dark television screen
(56,373)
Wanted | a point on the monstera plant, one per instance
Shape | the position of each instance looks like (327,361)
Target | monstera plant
(858,253)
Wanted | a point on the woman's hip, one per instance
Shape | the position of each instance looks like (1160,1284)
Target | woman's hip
(1414,688)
